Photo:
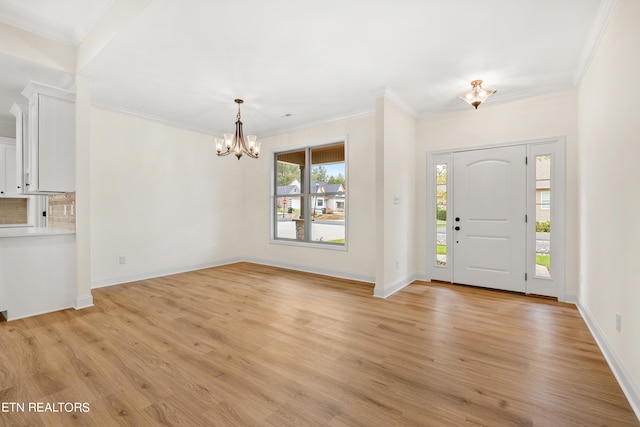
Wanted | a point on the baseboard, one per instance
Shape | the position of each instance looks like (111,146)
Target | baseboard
(313,269)
(35,313)
(421,277)
(84,301)
(110,281)
(390,289)
(629,388)
(570,298)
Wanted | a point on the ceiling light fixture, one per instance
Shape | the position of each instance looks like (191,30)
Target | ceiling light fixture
(235,143)
(477,94)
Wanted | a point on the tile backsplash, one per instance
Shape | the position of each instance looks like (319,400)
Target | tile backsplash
(13,211)
(61,212)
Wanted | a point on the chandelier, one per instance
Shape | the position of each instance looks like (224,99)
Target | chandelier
(235,143)
(477,94)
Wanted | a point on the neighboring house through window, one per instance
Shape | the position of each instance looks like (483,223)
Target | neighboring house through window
(310,195)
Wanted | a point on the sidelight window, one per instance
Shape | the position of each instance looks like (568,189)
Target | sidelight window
(543,215)
(441,214)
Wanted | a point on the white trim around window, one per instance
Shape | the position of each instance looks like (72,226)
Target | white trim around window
(305,224)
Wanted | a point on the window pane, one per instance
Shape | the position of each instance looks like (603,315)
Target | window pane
(288,222)
(329,227)
(327,194)
(289,172)
(441,214)
(543,216)
(545,200)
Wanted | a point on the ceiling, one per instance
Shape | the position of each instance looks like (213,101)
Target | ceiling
(299,63)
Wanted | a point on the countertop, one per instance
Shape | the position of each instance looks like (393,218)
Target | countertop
(32,231)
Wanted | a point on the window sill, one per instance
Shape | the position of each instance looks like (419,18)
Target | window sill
(309,244)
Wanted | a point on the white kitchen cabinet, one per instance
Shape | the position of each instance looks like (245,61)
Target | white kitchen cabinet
(8,185)
(21,112)
(50,167)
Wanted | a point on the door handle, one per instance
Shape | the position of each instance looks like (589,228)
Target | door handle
(457,228)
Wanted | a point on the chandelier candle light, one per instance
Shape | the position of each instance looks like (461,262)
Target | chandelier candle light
(235,143)
(477,94)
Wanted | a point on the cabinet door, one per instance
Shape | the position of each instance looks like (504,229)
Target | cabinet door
(56,144)
(3,174)
(10,171)
(21,145)
(7,169)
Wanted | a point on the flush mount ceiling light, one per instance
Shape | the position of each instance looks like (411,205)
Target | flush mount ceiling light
(477,94)
(235,143)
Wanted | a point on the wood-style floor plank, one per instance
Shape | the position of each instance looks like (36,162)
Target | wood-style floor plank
(245,344)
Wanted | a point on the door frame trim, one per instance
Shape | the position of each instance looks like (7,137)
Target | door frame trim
(445,273)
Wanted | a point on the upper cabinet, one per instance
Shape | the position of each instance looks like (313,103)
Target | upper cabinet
(8,174)
(48,145)
(21,111)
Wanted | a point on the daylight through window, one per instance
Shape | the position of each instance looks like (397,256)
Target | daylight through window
(543,215)
(310,200)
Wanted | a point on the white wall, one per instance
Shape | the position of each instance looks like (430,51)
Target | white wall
(8,128)
(160,197)
(540,117)
(609,129)
(358,261)
(83,192)
(395,197)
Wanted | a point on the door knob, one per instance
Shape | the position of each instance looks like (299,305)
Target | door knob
(457,218)
(457,228)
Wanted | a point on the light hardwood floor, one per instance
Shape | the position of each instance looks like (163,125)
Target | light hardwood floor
(253,345)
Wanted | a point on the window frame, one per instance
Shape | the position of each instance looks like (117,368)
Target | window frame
(306,195)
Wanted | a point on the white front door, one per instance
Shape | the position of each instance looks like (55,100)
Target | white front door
(489,207)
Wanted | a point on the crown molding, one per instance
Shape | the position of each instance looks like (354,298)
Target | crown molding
(81,33)
(334,119)
(593,38)
(151,117)
(42,28)
(392,96)
(282,131)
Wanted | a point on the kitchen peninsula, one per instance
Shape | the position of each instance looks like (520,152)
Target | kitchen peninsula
(37,270)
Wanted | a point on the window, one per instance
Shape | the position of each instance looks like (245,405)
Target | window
(441,214)
(543,215)
(317,212)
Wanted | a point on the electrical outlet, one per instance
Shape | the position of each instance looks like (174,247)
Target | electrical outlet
(123,259)
(618,322)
